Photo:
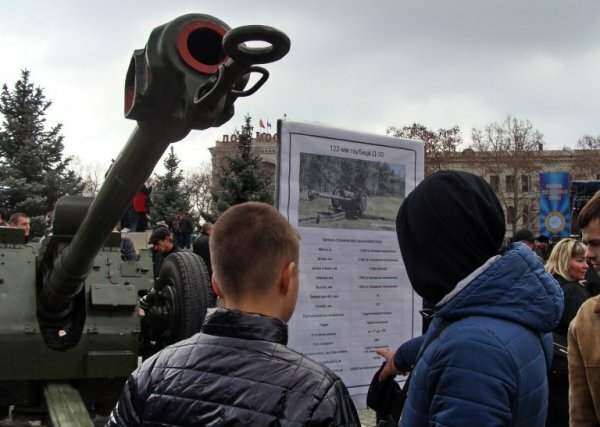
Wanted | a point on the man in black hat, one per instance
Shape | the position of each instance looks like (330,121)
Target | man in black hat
(162,245)
(525,236)
(542,248)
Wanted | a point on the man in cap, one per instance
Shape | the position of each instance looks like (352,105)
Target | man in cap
(162,245)
(525,236)
(162,241)
(542,248)
(484,358)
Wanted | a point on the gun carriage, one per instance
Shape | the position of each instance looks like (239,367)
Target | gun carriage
(344,204)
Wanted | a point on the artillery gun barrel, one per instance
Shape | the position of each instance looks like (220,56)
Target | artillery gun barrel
(187,77)
(131,169)
(348,195)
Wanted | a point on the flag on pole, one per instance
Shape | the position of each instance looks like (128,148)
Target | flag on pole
(261,124)
(268,124)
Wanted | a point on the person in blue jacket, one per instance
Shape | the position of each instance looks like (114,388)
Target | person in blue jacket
(488,365)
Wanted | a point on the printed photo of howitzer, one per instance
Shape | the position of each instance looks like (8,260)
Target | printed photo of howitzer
(338,192)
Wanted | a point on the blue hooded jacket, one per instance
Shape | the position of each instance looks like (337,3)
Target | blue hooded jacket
(488,367)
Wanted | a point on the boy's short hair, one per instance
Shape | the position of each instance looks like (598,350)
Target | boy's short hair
(248,246)
(590,212)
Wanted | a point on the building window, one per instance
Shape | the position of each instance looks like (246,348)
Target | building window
(525,216)
(510,183)
(525,183)
(510,215)
(495,182)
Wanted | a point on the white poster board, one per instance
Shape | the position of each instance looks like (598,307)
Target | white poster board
(341,190)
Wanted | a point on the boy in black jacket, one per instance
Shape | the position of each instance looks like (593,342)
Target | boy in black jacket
(238,369)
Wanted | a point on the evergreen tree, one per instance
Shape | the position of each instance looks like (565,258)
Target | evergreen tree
(168,194)
(31,158)
(240,178)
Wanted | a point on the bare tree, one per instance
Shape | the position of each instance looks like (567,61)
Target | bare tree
(587,158)
(439,146)
(92,175)
(511,160)
(198,185)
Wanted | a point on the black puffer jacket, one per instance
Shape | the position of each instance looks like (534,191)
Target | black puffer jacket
(236,372)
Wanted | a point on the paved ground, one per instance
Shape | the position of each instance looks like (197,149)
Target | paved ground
(367,417)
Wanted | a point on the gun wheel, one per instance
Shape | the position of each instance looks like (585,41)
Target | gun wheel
(362,202)
(337,203)
(188,291)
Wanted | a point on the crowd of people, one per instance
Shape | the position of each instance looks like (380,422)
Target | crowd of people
(512,340)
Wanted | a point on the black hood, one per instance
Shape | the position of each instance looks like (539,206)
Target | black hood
(449,225)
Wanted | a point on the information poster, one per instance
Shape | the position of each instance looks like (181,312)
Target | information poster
(342,191)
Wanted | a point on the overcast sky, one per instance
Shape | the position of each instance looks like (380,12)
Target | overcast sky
(360,65)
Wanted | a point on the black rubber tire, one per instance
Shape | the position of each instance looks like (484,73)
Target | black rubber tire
(186,273)
(361,200)
(337,203)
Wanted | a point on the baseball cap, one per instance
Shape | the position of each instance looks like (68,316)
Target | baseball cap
(158,234)
(543,238)
(523,235)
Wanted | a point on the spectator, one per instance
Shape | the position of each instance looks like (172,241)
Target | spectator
(21,220)
(176,228)
(568,266)
(186,228)
(201,245)
(128,252)
(141,206)
(162,245)
(484,359)
(525,236)
(583,338)
(3,218)
(129,219)
(238,369)
(542,248)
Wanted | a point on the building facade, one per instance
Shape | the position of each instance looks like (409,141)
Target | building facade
(515,177)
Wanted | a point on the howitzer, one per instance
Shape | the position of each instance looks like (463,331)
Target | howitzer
(352,203)
(68,307)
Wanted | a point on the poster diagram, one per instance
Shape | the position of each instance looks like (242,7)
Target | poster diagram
(342,191)
(338,192)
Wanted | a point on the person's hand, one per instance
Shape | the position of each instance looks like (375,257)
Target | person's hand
(389,370)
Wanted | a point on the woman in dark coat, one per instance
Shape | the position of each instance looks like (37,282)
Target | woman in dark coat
(568,266)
